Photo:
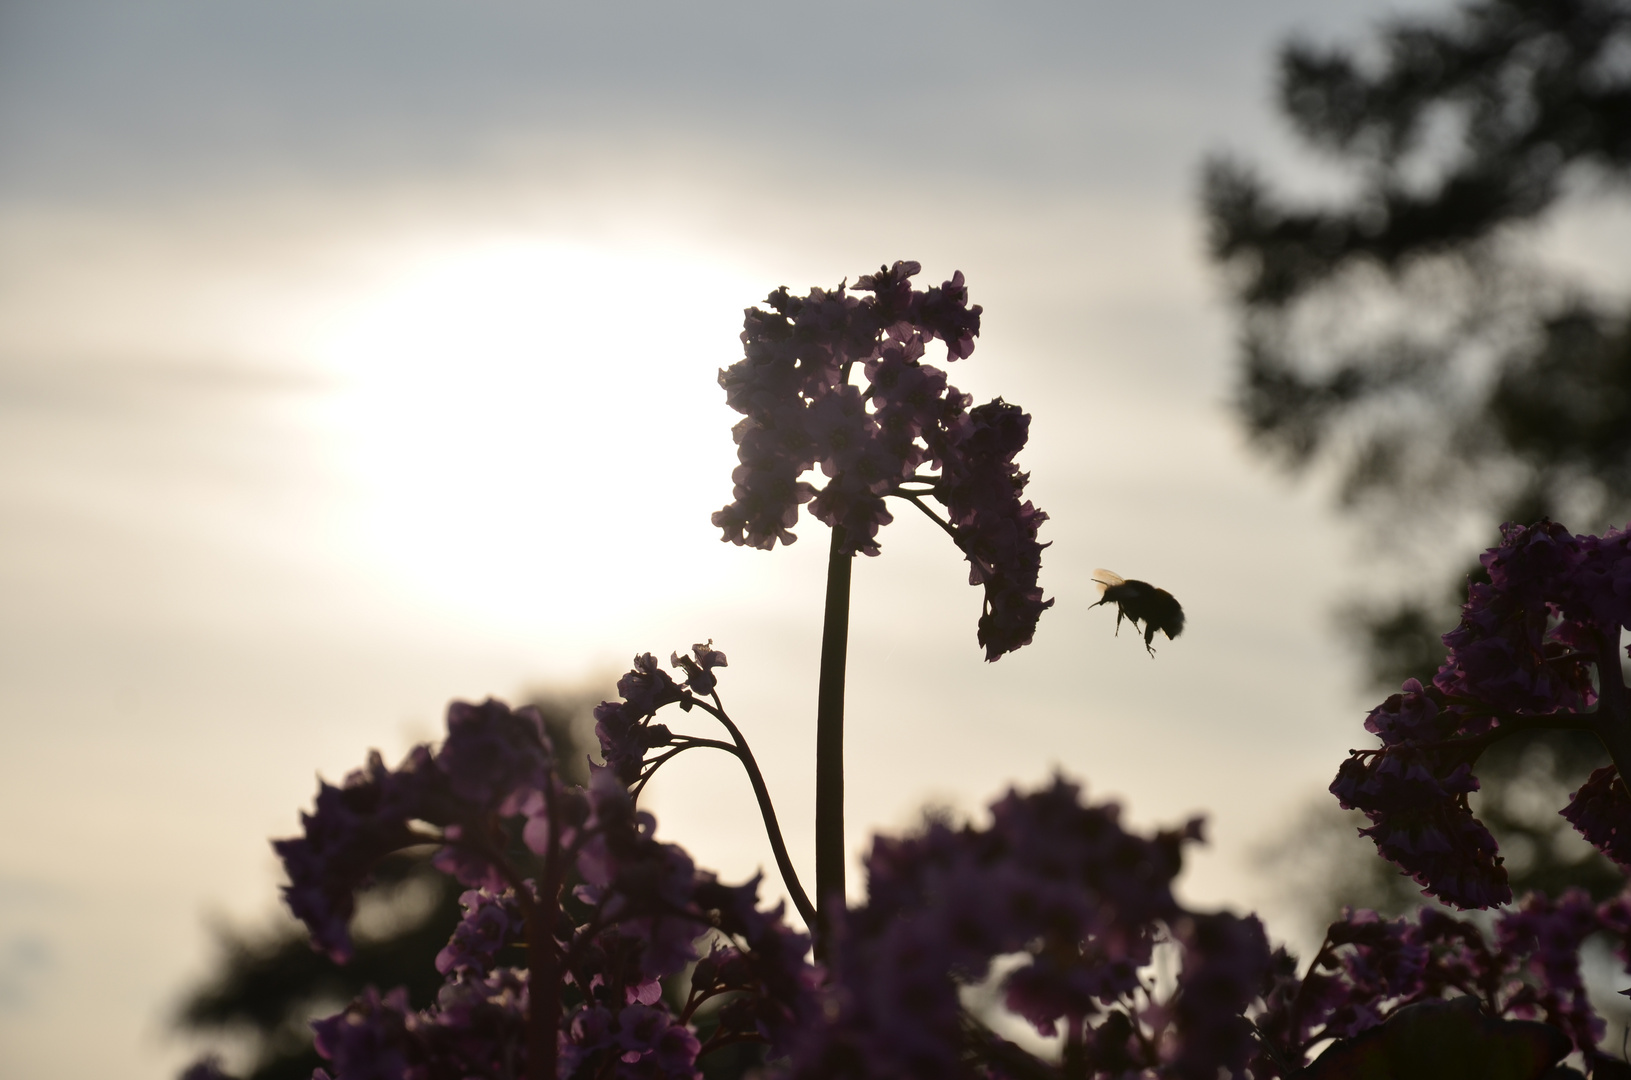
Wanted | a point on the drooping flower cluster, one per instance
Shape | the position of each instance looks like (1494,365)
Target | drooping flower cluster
(574,917)
(625,728)
(793,386)
(1370,969)
(1538,646)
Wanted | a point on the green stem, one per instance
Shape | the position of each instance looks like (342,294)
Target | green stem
(830,741)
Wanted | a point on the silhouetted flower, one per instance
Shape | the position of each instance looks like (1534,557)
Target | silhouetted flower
(1080,899)
(490,923)
(802,412)
(1527,649)
(1601,812)
(633,920)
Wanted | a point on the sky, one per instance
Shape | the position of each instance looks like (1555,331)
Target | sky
(358,356)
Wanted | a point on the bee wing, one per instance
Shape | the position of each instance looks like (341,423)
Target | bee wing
(1106,578)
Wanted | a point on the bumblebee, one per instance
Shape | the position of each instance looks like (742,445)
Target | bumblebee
(1140,602)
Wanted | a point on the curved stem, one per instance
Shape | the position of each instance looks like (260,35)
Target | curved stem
(773,830)
(688,741)
(1517,725)
(1294,1012)
(1510,725)
(829,824)
(650,768)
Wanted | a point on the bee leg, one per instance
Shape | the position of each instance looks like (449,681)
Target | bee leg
(1149,638)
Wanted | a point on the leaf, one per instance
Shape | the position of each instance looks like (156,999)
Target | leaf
(1443,1040)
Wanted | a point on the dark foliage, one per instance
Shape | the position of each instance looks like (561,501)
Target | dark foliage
(1400,332)
(1403,336)
(1537,90)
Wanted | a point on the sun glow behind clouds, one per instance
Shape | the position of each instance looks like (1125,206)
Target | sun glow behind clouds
(536,426)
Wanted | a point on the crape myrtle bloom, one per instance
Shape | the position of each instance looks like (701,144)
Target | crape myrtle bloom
(869,442)
(625,912)
(1538,646)
(1083,900)
(1368,968)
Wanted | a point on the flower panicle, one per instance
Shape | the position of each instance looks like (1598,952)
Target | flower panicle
(1533,648)
(802,415)
(619,911)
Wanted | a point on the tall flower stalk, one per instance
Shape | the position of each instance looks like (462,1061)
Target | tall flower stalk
(829,778)
(900,431)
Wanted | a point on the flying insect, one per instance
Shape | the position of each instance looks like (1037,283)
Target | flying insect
(1140,602)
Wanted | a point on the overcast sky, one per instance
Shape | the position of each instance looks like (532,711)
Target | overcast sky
(355,356)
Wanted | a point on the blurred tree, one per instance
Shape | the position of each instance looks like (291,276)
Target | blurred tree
(269,984)
(1407,335)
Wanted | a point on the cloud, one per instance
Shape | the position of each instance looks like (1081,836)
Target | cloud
(24,958)
(101,96)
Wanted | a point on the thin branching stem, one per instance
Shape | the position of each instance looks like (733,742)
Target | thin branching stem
(649,769)
(916,500)
(767,810)
(1511,724)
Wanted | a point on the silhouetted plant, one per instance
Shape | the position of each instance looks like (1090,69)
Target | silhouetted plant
(587,948)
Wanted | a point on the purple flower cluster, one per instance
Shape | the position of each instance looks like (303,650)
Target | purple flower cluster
(592,924)
(625,729)
(494,763)
(604,914)
(1601,812)
(1084,901)
(1415,791)
(1538,646)
(1368,969)
(801,410)
(1528,639)
(617,916)
(590,949)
